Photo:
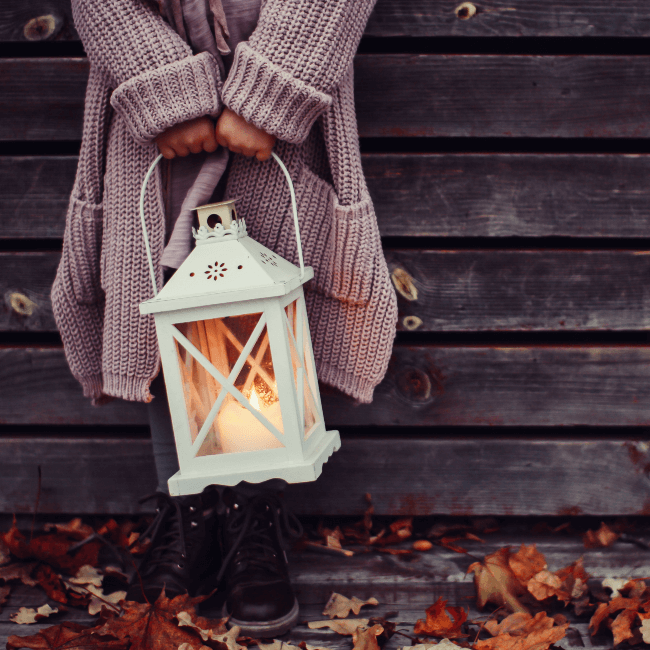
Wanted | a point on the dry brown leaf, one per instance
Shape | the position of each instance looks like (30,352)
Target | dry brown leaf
(65,636)
(538,639)
(88,575)
(276,645)
(614,605)
(645,630)
(19,571)
(51,583)
(422,545)
(346,627)
(230,638)
(339,606)
(153,626)
(207,629)
(27,615)
(74,529)
(495,582)
(445,644)
(546,584)
(520,624)
(4,595)
(622,626)
(442,621)
(366,638)
(526,563)
(511,624)
(600,538)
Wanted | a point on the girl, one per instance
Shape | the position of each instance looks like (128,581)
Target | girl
(224,81)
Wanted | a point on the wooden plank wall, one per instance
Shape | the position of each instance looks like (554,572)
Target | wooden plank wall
(506,154)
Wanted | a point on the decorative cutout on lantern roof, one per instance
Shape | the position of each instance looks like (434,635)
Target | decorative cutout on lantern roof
(225,266)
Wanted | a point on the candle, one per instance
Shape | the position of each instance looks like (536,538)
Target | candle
(240,430)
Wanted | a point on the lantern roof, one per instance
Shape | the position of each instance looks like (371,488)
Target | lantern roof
(226,266)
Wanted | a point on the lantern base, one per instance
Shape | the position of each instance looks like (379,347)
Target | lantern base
(308,469)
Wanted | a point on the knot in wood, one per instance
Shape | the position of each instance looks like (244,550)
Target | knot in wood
(21,304)
(404,284)
(414,384)
(411,322)
(465,10)
(41,28)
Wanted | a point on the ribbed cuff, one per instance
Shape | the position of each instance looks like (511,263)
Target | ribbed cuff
(155,100)
(356,244)
(133,389)
(357,387)
(271,99)
(92,386)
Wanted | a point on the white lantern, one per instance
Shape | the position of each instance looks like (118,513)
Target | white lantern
(237,359)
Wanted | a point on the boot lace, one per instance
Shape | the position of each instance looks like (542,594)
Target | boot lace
(165,533)
(259,526)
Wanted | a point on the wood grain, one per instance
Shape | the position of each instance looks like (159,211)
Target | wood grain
(502,96)
(457,291)
(425,386)
(405,475)
(494,18)
(466,96)
(438,195)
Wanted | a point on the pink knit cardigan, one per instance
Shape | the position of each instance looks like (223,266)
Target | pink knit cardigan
(293,79)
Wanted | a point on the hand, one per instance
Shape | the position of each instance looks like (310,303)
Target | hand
(192,136)
(238,135)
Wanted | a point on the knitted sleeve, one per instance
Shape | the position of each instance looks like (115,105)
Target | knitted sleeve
(157,80)
(281,79)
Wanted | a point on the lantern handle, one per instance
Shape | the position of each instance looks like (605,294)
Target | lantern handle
(294,208)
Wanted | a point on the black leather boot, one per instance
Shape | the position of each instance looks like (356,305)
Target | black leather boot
(184,551)
(260,599)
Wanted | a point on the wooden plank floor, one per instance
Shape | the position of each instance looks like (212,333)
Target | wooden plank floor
(405,586)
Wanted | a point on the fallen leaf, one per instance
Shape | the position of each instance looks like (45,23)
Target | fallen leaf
(600,538)
(51,548)
(75,529)
(445,644)
(622,624)
(4,595)
(546,584)
(230,639)
(442,621)
(139,620)
(187,646)
(614,584)
(614,605)
(99,600)
(347,626)
(495,582)
(51,583)
(19,571)
(422,545)
(448,543)
(206,628)
(520,624)
(366,638)
(87,575)
(645,630)
(538,639)
(65,636)
(27,615)
(339,606)
(276,645)
(526,563)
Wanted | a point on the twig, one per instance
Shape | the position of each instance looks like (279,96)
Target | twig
(328,550)
(38,501)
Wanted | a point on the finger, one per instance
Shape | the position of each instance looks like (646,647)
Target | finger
(263,154)
(181,150)
(210,143)
(167,152)
(196,146)
(223,141)
(249,152)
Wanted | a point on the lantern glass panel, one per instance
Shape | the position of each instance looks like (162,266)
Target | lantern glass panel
(221,423)
(200,389)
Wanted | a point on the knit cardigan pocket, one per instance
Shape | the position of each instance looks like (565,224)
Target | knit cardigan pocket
(341,242)
(83,245)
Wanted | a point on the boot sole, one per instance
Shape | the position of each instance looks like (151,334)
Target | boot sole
(265,629)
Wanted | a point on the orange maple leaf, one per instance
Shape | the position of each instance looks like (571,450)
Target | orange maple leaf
(496,583)
(66,636)
(600,538)
(520,623)
(442,621)
(526,562)
(540,638)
